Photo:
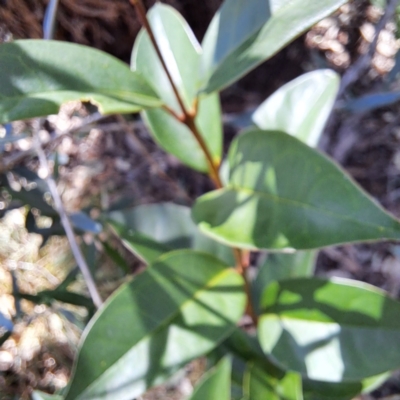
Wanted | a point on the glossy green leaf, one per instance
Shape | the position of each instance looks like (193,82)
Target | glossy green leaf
(150,230)
(37,76)
(181,53)
(178,309)
(332,331)
(278,266)
(215,384)
(259,385)
(301,107)
(244,34)
(283,194)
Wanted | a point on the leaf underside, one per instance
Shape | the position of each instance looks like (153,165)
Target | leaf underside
(332,331)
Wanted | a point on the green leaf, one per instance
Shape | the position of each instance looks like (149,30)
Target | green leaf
(215,384)
(278,266)
(259,385)
(176,138)
(283,194)
(37,76)
(147,249)
(67,297)
(150,230)
(244,34)
(301,107)
(332,331)
(316,390)
(178,309)
(261,377)
(181,53)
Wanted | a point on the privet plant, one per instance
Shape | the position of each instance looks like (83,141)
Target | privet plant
(309,338)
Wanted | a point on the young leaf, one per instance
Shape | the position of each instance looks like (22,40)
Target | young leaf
(283,194)
(215,384)
(179,308)
(37,76)
(333,331)
(259,385)
(301,107)
(244,34)
(181,53)
(150,230)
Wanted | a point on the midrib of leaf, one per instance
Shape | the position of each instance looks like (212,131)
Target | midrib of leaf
(102,91)
(168,321)
(279,199)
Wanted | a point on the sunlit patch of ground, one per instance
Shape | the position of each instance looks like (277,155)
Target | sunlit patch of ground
(40,351)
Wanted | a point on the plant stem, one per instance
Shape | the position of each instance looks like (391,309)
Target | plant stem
(76,251)
(189,119)
(213,168)
(242,263)
(141,12)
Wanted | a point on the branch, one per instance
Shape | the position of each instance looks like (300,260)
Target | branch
(188,118)
(242,263)
(358,68)
(76,251)
(141,12)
